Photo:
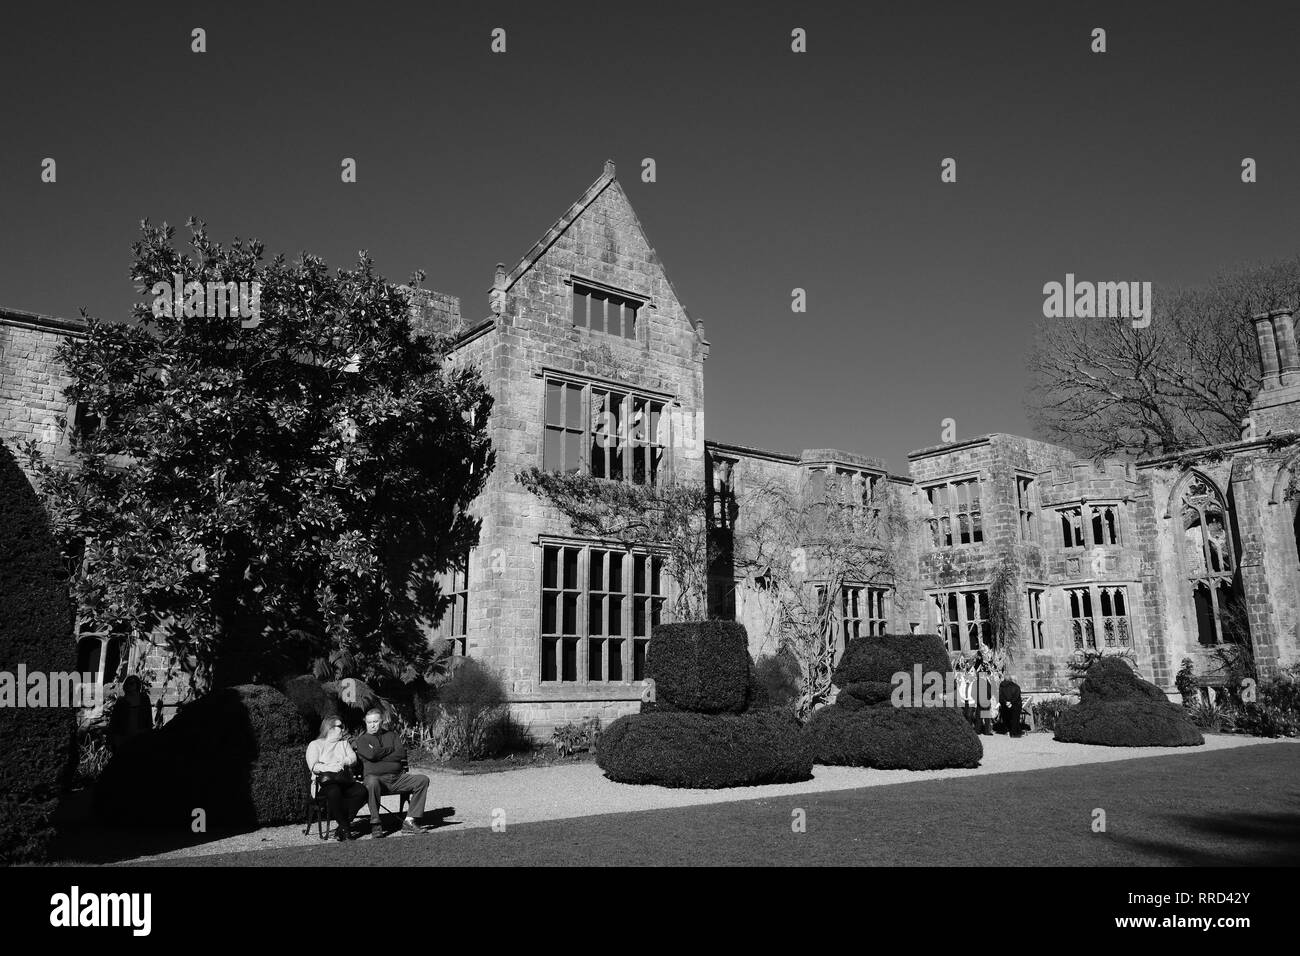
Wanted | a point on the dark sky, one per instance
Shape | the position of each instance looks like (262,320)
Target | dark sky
(776,170)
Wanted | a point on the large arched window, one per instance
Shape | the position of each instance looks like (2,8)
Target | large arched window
(1209,561)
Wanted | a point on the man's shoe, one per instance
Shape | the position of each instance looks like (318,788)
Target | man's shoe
(377,830)
(410,826)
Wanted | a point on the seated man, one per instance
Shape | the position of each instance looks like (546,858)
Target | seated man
(384,760)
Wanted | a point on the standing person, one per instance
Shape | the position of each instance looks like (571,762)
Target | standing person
(987,692)
(384,757)
(330,758)
(131,715)
(1010,705)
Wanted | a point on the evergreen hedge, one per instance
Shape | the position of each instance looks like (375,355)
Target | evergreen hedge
(705,751)
(37,745)
(700,666)
(893,738)
(1117,708)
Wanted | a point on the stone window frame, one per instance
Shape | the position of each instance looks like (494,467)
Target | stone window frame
(1100,624)
(1027,504)
(1091,514)
(454,623)
(959,631)
(942,538)
(1218,583)
(722,491)
(660,437)
(864,609)
(608,292)
(1037,619)
(632,595)
(108,641)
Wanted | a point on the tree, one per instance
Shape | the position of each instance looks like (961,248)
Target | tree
(669,517)
(803,547)
(1102,387)
(270,492)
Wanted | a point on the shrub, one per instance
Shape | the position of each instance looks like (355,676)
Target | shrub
(705,751)
(1131,722)
(469,718)
(313,700)
(1185,679)
(93,753)
(866,693)
(1206,716)
(700,666)
(1047,713)
(572,738)
(1080,662)
(228,753)
(777,680)
(1267,720)
(38,747)
(893,738)
(1111,678)
(877,659)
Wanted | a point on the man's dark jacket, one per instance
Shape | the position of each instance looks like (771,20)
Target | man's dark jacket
(381,754)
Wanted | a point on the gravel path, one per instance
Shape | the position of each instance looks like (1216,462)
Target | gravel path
(579,790)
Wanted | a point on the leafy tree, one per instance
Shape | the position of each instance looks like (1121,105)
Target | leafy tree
(1103,387)
(270,492)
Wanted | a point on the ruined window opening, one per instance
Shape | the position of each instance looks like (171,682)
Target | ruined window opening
(1036,636)
(1072,527)
(1027,503)
(722,499)
(599,606)
(1209,560)
(955,517)
(864,610)
(962,618)
(605,312)
(1100,610)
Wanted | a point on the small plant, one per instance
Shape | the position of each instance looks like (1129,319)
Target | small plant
(1047,713)
(1207,716)
(93,753)
(1080,661)
(1185,681)
(572,738)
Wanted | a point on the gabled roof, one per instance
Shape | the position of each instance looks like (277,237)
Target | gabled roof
(561,225)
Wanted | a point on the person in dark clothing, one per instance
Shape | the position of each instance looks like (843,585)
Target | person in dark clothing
(330,759)
(1010,706)
(131,715)
(384,760)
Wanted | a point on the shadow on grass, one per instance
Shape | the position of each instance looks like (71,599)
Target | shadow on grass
(1258,839)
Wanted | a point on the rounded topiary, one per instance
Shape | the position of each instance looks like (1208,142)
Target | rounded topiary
(227,753)
(1111,678)
(893,738)
(705,751)
(1134,722)
(872,661)
(700,666)
(37,744)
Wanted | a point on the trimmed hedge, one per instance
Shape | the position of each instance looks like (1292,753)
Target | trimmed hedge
(705,751)
(1128,723)
(1117,708)
(700,666)
(893,738)
(1110,678)
(875,660)
(238,753)
(38,747)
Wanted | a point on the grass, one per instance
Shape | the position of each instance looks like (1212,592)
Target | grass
(1236,807)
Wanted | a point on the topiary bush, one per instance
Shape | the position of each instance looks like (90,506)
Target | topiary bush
(38,746)
(700,666)
(1111,678)
(1134,722)
(893,738)
(705,751)
(1117,708)
(776,681)
(877,659)
(239,753)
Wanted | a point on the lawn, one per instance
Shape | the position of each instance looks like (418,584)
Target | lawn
(1231,807)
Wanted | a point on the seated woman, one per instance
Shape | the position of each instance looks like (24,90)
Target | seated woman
(330,758)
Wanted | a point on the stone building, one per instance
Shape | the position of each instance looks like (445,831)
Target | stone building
(596,366)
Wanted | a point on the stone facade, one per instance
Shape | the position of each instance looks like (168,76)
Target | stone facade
(595,365)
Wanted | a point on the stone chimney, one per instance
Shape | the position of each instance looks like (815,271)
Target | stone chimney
(1276,408)
(1278,361)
